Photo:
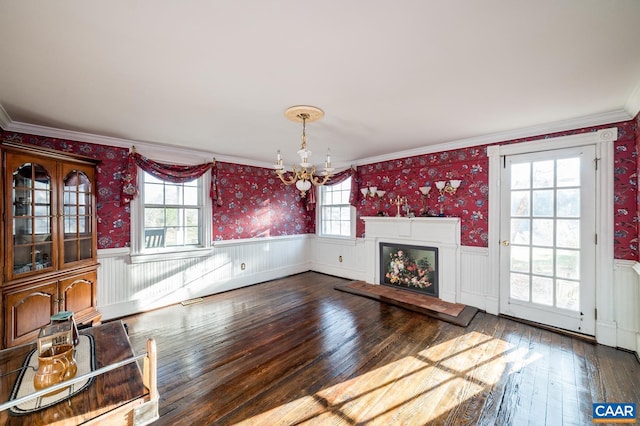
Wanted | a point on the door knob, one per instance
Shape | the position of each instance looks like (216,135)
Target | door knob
(505,243)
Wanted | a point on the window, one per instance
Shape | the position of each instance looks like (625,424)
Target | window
(335,211)
(172,213)
(170,220)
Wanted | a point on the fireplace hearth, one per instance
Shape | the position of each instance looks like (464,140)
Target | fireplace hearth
(409,267)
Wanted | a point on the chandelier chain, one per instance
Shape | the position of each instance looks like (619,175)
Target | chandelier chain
(305,177)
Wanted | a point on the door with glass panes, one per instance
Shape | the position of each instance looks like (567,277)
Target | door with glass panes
(547,247)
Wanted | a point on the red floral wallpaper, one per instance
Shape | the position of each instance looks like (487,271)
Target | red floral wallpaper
(256,204)
(636,181)
(625,180)
(254,201)
(404,176)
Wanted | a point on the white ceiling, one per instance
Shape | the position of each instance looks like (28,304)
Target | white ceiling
(391,77)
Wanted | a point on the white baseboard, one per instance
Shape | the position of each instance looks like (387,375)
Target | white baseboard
(627,339)
(606,332)
(348,273)
(473,299)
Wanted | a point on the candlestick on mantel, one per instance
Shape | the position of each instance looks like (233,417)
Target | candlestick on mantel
(399,201)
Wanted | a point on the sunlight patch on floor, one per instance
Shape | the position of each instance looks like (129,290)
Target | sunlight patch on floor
(293,411)
(520,358)
(482,358)
(424,386)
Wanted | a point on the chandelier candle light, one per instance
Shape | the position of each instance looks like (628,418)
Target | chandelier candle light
(305,176)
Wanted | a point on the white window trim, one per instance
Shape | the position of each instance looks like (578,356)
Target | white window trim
(352,212)
(141,255)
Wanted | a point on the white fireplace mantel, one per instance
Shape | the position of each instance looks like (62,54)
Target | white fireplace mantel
(440,232)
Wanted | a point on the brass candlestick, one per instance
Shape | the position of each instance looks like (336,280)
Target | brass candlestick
(399,201)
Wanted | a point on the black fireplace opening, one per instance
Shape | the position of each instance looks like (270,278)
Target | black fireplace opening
(413,268)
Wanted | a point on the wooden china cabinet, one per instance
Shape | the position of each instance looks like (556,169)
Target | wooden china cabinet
(48,227)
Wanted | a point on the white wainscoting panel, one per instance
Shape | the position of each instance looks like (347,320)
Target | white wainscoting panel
(627,304)
(340,257)
(474,279)
(127,288)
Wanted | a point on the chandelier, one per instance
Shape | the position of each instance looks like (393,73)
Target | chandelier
(306,175)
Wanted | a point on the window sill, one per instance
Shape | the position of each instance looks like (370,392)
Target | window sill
(170,255)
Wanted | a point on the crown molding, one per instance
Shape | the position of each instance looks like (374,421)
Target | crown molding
(525,132)
(163,152)
(632,106)
(5,120)
(608,135)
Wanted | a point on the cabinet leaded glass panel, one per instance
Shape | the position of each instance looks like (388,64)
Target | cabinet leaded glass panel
(32,218)
(76,217)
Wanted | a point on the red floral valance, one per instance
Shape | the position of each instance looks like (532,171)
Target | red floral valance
(167,172)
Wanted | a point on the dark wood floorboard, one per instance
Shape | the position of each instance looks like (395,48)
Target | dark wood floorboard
(295,351)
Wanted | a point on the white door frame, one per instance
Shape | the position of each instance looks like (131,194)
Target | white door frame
(603,141)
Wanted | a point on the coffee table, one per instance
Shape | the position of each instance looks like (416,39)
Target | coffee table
(123,395)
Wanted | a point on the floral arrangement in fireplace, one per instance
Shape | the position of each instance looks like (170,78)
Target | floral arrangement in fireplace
(404,270)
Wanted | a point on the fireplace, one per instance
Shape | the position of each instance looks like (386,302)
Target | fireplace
(438,236)
(409,267)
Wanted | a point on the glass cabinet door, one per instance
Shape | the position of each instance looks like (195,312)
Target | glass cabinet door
(31,217)
(77,223)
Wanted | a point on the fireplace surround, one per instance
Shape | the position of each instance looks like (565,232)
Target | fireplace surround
(441,233)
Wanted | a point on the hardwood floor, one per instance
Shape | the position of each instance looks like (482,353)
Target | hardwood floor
(296,351)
